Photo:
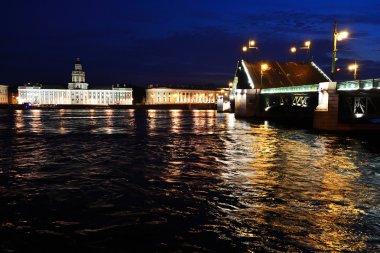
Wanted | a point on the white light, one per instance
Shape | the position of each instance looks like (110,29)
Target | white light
(251,84)
(359,115)
(342,35)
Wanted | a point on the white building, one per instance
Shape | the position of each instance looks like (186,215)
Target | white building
(165,95)
(3,94)
(77,93)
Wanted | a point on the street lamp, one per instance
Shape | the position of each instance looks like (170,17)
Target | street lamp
(306,46)
(338,36)
(293,50)
(353,67)
(263,68)
(251,44)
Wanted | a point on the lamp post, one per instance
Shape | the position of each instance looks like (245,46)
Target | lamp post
(263,68)
(251,45)
(307,48)
(353,67)
(338,36)
(293,50)
(244,49)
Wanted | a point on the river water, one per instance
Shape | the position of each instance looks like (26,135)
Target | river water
(182,181)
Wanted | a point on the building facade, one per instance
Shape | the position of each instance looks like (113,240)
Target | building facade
(165,95)
(76,94)
(4,94)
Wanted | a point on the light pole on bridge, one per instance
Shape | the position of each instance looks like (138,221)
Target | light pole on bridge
(251,45)
(338,36)
(263,68)
(354,67)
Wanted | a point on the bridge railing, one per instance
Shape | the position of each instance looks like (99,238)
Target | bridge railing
(359,85)
(291,89)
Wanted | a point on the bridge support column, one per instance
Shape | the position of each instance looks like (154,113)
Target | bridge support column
(247,103)
(327,112)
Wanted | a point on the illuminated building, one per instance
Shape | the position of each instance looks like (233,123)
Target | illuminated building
(164,95)
(3,94)
(76,94)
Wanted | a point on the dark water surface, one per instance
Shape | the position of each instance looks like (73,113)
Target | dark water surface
(172,181)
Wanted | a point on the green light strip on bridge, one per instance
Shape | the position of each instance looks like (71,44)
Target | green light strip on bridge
(291,89)
(359,84)
(348,85)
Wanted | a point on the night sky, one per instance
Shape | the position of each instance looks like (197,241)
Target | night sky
(177,42)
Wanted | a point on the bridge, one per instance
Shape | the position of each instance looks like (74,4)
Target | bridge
(302,91)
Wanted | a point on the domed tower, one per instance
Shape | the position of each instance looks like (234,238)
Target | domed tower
(78,80)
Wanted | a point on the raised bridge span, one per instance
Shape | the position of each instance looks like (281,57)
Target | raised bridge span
(301,91)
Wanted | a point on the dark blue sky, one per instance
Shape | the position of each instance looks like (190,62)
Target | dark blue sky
(193,42)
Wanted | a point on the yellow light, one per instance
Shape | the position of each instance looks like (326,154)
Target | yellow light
(293,49)
(264,67)
(353,67)
(252,43)
(245,49)
(230,84)
(307,43)
(342,35)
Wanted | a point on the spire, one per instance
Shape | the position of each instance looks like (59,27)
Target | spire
(78,77)
(78,65)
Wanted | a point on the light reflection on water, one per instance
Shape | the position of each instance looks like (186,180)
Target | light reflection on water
(188,180)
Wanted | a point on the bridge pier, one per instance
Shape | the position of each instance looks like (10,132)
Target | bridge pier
(247,103)
(326,114)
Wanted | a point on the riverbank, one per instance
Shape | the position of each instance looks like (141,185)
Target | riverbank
(137,106)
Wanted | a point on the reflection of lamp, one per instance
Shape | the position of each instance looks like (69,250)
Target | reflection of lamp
(338,36)
(354,68)
(263,68)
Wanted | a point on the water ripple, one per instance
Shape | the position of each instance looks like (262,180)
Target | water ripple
(130,180)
